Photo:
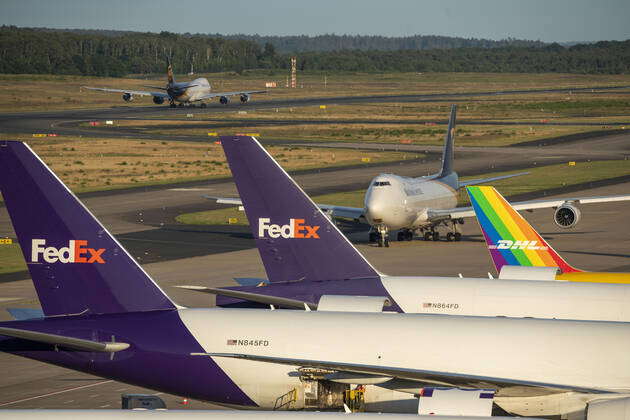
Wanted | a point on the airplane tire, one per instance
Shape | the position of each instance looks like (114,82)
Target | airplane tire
(401,236)
(450,237)
(458,236)
(386,243)
(435,236)
(203,105)
(373,237)
(427,236)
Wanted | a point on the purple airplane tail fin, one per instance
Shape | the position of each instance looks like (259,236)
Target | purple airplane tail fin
(295,239)
(77,266)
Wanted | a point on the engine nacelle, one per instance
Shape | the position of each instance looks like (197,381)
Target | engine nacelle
(127,97)
(567,216)
(245,98)
(158,100)
(224,100)
(618,409)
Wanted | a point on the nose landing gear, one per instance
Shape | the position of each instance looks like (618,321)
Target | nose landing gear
(380,236)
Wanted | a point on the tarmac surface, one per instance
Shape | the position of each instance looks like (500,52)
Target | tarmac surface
(143,219)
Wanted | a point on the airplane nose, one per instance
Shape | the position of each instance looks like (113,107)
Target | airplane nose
(374,210)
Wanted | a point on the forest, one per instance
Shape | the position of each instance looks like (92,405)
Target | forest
(111,53)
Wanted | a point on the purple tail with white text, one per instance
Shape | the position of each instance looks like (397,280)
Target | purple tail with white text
(77,266)
(295,239)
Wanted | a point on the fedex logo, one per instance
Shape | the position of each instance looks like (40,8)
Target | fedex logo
(507,244)
(295,229)
(76,252)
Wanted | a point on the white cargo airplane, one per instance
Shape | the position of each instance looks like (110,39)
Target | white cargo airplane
(184,93)
(419,205)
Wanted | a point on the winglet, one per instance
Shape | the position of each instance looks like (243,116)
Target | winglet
(295,239)
(510,238)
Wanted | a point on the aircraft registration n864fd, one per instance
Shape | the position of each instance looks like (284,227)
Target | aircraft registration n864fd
(184,93)
(419,205)
(310,263)
(110,319)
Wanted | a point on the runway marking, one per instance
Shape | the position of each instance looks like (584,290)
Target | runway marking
(54,393)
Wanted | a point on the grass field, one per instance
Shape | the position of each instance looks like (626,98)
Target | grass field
(11,259)
(103,164)
(541,178)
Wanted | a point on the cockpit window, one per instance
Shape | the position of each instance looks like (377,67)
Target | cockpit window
(381,183)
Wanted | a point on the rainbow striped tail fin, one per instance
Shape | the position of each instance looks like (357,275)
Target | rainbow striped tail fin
(510,238)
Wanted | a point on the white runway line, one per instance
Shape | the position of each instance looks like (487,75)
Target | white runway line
(54,393)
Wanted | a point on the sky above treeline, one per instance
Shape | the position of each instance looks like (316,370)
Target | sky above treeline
(545,20)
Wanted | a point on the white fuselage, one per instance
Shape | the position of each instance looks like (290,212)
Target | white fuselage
(402,203)
(575,354)
(198,89)
(510,298)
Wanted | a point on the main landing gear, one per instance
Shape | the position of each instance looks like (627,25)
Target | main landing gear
(453,236)
(405,235)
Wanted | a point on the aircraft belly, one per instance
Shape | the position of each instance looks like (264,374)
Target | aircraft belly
(271,381)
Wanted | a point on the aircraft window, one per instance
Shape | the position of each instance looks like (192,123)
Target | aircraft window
(381,183)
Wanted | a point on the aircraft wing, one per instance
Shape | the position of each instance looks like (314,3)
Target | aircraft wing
(332,210)
(527,205)
(423,377)
(342,211)
(63,341)
(132,92)
(485,180)
(242,92)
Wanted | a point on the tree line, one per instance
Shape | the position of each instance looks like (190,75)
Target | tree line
(24,50)
(332,42)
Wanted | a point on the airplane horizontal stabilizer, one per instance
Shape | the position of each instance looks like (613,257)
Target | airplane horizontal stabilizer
(486,180)
(253,297)
(60,340)
(22,314)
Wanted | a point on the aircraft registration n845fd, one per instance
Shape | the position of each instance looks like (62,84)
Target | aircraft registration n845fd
(417,206)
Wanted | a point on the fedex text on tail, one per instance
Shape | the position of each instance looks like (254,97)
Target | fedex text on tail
(295,229)
(77,251)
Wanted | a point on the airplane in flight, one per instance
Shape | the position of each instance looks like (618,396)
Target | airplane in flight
(104,315)
(310,263)
(420,205)
(514,243)
(183,93)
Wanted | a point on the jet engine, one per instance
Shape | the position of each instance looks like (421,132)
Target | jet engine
(127,97)
(567,216)
(224,100)
(158,100)
(245,98)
